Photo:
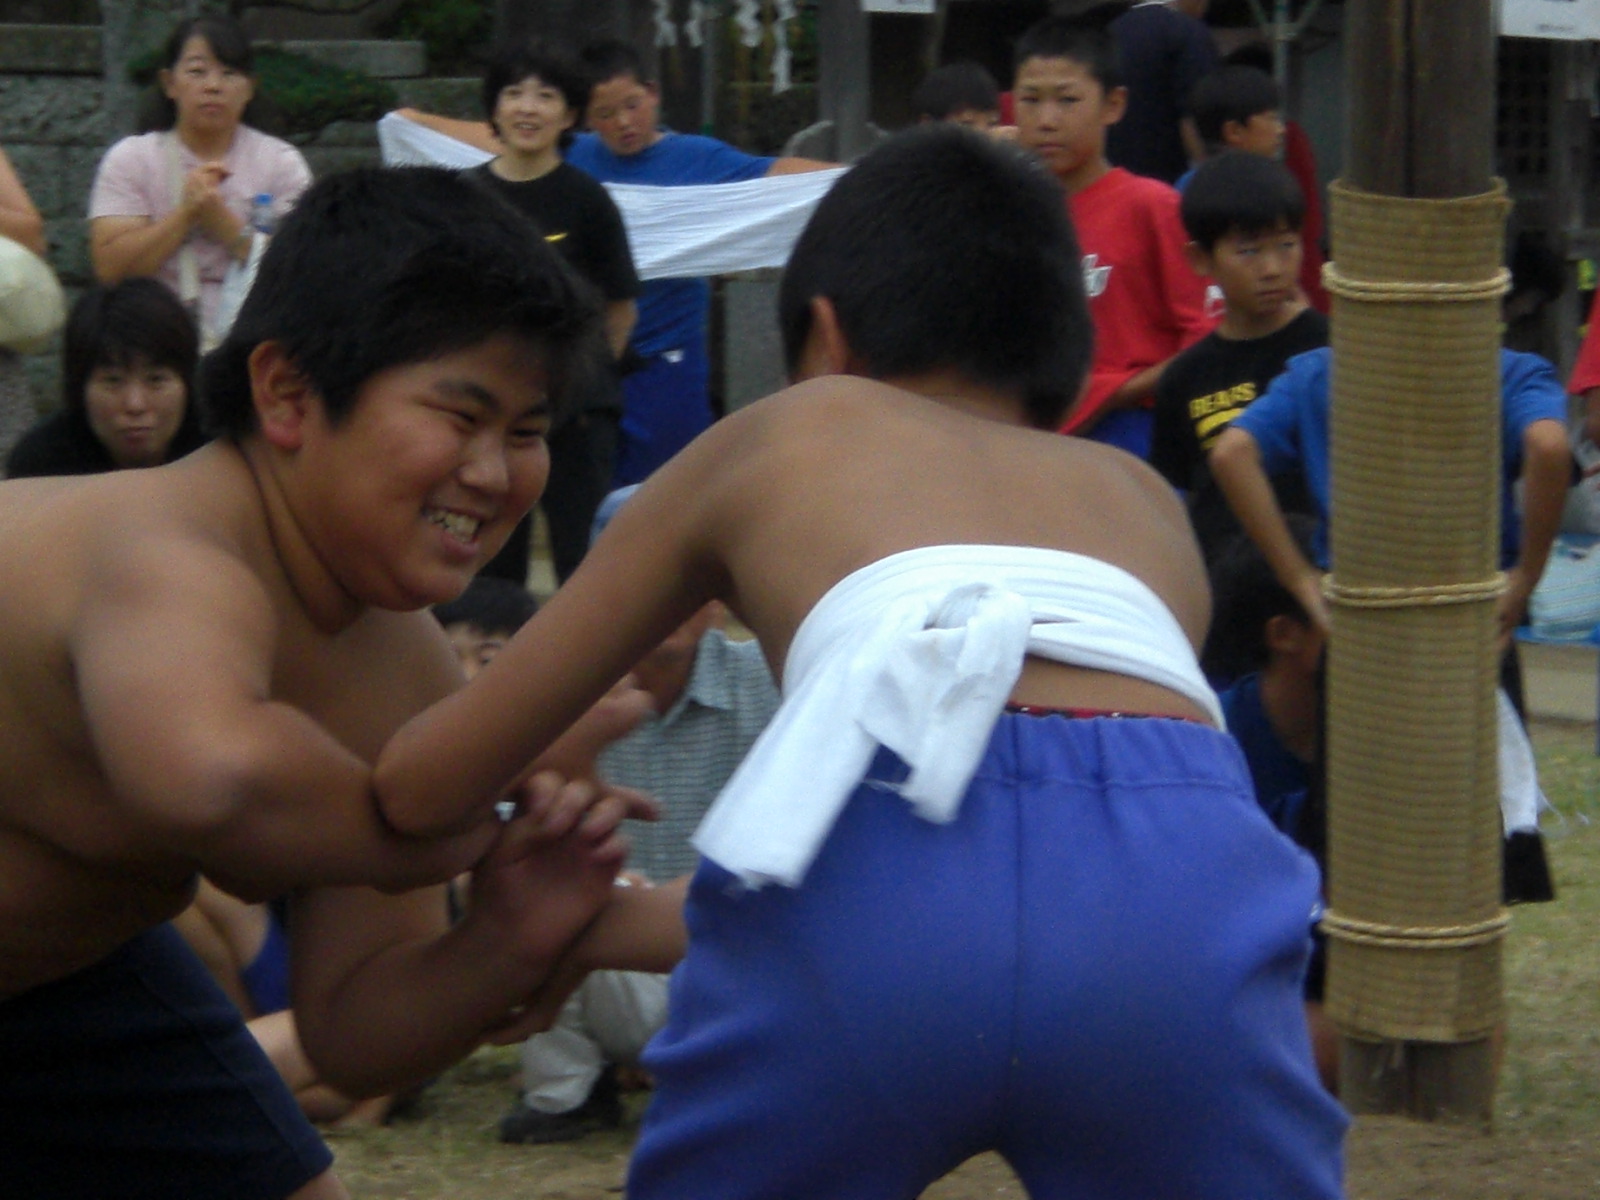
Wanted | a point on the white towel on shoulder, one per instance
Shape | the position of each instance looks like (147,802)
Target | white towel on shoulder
(919,652)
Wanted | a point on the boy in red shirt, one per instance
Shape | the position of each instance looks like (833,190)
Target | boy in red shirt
(1146,301)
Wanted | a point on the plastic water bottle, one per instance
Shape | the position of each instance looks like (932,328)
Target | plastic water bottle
(262,219)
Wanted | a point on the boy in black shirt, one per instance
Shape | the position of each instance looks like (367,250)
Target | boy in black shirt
(533,98)
(1243,214)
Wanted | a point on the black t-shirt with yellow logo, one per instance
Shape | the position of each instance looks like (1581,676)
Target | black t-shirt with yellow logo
(1200,393)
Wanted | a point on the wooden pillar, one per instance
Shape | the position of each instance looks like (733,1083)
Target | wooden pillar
(844,51)
(1421,125)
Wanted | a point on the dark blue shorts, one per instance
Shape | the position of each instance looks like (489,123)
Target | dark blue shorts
(1094,970)
(136,1078)
(666,404)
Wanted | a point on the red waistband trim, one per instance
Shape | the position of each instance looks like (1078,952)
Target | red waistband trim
(1085,714)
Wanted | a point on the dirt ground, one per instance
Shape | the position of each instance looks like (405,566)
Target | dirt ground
(1545,1144)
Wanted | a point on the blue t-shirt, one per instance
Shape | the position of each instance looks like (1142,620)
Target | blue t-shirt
(1290,425)
(672,312)
(1281,780)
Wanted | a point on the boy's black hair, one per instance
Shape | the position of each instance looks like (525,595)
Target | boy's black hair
(1233,93)
(490,605)
(121,324)
(607,58)
(945,249)
(510,64)
(956,87)
(1084,39)
(232,47)
(382,267)
(1240,192)
(1245,596)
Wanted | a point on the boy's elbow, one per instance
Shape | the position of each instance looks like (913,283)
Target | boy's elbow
(1233,449)
(400,799)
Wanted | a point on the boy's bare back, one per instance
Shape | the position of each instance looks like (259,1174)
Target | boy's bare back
(839,472)
(771,508)
(146,626)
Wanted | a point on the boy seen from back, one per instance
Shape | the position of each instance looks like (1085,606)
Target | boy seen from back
(1146,301)
(994,820)
(202,659)
(1242,213)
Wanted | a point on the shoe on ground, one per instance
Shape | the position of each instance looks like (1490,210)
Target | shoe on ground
(602,1110)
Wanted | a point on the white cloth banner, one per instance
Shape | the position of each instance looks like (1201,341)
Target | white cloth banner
(674,232)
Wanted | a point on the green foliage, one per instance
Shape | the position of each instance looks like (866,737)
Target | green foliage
(310,94)
(450,29)
(301,94)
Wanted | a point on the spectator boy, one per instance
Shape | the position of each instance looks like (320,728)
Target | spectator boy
(1146,300)
(961,92)
(849,1019)
(1287,429)
(666,400)
(532,97)
(1242,213)
(204,657)
(1237,108)
(483,619)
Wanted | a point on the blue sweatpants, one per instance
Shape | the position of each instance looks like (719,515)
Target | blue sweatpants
(666,404)
(1094,970)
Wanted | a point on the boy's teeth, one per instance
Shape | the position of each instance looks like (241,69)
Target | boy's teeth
(461,526)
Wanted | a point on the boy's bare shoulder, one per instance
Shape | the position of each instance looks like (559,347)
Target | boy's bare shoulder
(96,522)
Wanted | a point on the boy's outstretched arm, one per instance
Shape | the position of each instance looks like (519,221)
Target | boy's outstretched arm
(385,995)
(173,654)
(649,571)
(1235,463)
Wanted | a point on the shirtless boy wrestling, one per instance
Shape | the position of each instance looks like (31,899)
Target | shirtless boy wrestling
(199,662)
(993,878)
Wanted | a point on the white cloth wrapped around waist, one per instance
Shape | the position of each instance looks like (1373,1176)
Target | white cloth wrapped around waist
(919,652)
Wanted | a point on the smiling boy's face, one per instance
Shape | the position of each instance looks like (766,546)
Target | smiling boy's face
(422,481)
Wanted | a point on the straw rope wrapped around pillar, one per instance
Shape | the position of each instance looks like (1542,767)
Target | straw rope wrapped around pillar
(1414,921)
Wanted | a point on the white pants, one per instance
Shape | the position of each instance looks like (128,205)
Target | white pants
(607,1020)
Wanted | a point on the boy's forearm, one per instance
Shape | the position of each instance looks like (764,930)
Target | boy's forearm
(1235,464)
(641,929)
(1546,475)
(416,1007)
(305,815)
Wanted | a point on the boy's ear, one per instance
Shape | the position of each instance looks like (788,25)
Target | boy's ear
(1199,258)
(281,393)
(826,350)
(1232,131)
(1116,105)
(1291,638)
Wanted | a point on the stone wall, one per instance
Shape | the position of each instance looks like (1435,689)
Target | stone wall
(64,99)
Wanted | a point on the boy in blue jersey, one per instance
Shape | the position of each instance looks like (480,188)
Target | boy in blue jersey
(1287,429)
(666,400)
